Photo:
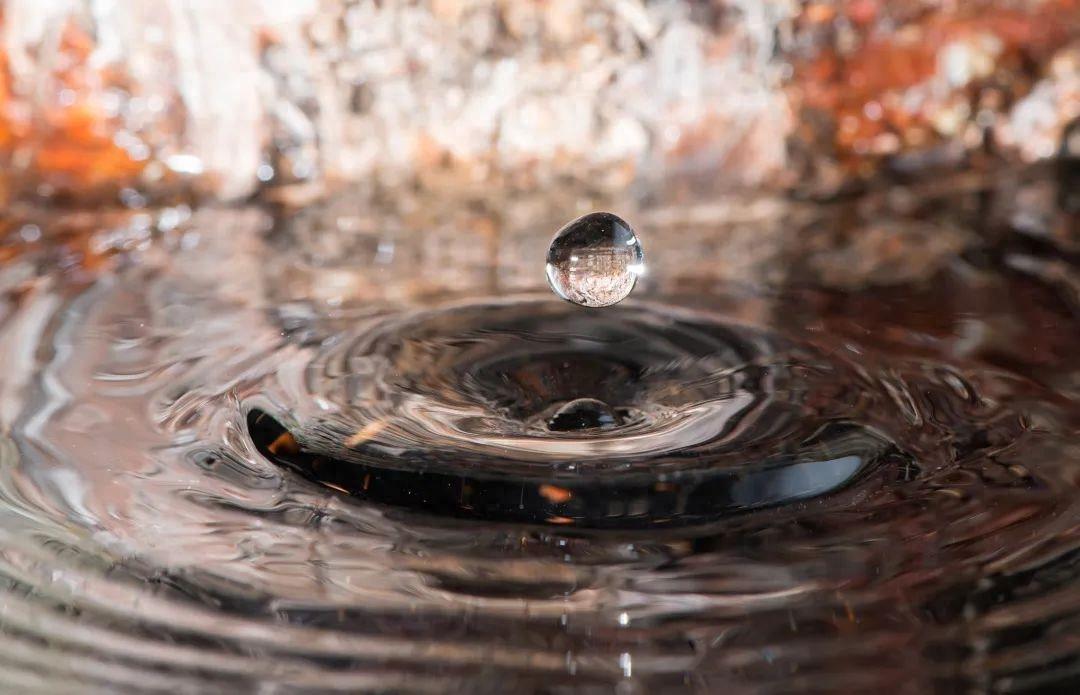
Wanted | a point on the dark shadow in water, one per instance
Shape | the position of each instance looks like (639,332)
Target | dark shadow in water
(833,458)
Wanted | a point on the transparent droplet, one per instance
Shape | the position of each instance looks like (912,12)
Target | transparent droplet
(595,260)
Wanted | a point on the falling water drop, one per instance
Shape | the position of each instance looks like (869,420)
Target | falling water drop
(595,260)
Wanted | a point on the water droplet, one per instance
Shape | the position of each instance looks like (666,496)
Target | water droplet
(583,414)
(595,260)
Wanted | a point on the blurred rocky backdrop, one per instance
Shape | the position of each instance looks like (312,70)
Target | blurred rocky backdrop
(178,99)
(841,144)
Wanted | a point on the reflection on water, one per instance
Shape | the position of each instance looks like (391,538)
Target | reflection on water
(319,455)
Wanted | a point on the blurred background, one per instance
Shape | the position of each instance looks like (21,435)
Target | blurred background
(106,100)
(488,115)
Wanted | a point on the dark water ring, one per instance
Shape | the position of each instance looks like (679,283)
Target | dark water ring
(836,456)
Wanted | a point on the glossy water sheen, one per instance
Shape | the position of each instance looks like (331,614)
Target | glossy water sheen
(594,260)
(236,460)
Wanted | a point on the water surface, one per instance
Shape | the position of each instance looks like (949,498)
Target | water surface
(316,453)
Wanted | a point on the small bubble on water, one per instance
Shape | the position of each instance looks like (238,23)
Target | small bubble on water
(595,260)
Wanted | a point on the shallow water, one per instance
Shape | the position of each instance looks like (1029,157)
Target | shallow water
(312,454)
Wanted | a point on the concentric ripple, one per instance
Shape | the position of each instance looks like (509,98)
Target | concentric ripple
(212,483)
(450,411)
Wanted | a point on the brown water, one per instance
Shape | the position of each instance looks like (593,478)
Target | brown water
(324,453)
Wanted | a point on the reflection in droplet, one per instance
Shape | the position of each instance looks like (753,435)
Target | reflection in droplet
(595,260)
